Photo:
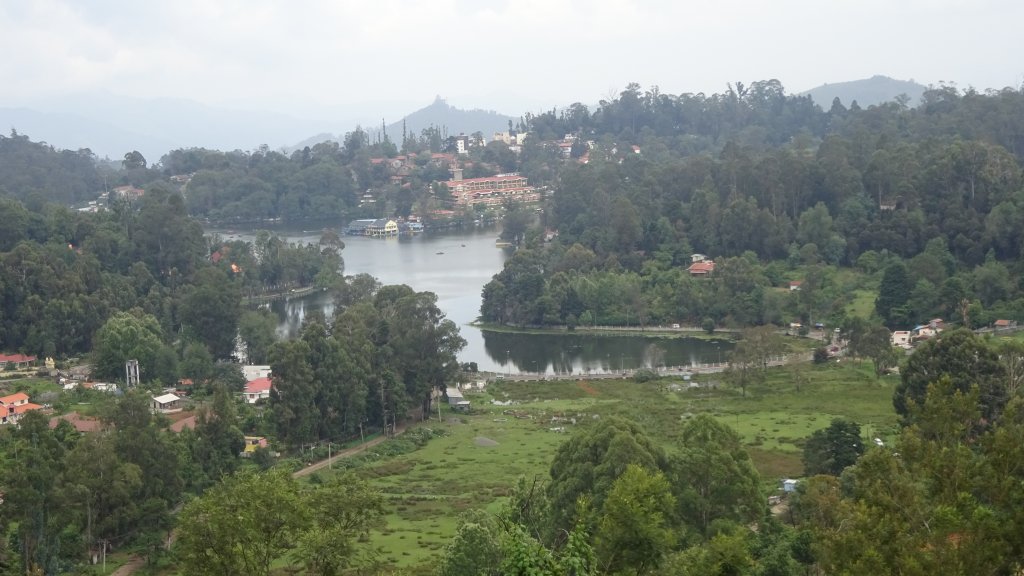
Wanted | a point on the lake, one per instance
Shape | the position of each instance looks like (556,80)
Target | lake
(455,265)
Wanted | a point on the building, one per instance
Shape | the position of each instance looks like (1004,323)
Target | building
(788,485)
(17,361)
(14,406)
(794,286)
(491,190)
(695,258)
(702,269)
(81,423)
(456,400)
(254,371)
(253,443)
(166,404)
(128,192)
(382,227)
(256,390)
(1004,324)
(901,338)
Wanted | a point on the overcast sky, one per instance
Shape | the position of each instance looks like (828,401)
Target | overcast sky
(309,57)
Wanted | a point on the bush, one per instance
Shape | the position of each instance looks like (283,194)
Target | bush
(708,325)
(645,375)
(820,355)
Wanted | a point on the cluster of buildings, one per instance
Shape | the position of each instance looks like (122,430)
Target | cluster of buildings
(490,190)
(906,339)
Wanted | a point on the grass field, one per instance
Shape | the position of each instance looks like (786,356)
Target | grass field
(480,456)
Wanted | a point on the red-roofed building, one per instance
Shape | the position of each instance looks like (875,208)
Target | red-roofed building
(258,389)
(795,285)
(12,407)
(81,423)
(16,360)
(702,269)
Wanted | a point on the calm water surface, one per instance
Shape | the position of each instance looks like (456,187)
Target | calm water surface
(455,266)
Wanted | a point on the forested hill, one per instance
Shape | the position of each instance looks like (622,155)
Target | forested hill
(455,120)
(867,92)
(776,190)
(36,169)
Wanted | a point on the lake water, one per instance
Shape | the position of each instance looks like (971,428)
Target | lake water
(455,265)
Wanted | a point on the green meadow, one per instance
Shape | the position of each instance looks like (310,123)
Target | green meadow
(514,429)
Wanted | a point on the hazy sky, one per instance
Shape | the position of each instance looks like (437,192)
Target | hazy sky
(308,57)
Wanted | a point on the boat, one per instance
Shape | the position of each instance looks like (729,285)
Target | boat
(439,253)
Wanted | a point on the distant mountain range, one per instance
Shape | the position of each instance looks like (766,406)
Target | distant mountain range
(448,118)
(866,92)
(111,125)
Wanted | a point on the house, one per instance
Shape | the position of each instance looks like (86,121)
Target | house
(382,227)
(256,390)
(128,192)
(694,258)
(17,361)
(254,371)
(253,443)
(788,485)
(702,269)
(166,404)
(455,399)
(81,423)
(358,227)
(1004,324)
(794,286)
(901,338)
(924,332)
(14,406)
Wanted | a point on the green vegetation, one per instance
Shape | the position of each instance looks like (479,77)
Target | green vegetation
(476,462)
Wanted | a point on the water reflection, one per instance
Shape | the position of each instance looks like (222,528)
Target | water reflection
(583,353)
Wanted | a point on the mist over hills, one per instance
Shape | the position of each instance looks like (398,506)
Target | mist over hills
(111,125)
(866,92)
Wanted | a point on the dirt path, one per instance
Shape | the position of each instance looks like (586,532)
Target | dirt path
(134,564)
(345,454)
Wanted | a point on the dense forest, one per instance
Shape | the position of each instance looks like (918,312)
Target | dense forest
(773,188)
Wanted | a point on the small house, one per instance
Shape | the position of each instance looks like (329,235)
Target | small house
(702,269)
(166,404)
(456,400)
(252,444)
(1004,324)
(794,286)
(901,338)
(82,424)
(256,390)
(14,406)
(788,485)
(695,258)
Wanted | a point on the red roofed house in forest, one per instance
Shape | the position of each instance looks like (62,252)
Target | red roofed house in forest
(258,389)
(12,407)
(703,269)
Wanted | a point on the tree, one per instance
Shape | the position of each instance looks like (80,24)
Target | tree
(712,476)
(241,525)
(133,161)
(343,511)
(127,336)
(831,450)
(258,331)
(635,529)
(589,463)
(893,295)
(211,311)
(962,356)
(475,549)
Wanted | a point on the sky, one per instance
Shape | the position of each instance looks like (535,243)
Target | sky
(312,58)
